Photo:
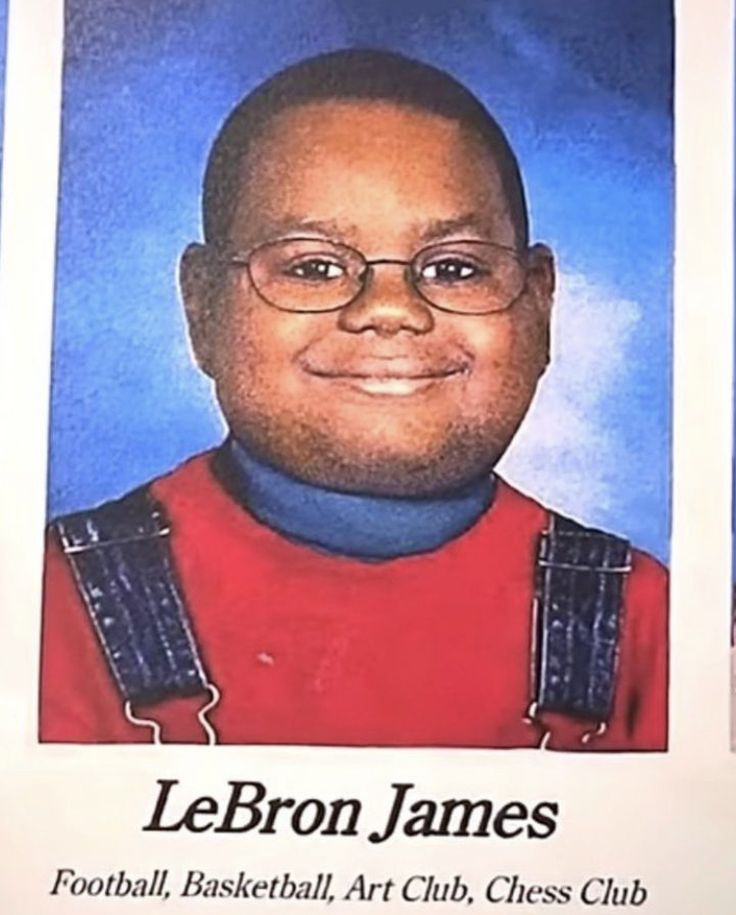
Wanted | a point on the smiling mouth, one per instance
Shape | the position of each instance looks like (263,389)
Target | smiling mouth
(389,380)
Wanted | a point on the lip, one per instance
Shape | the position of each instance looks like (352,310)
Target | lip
(395,377)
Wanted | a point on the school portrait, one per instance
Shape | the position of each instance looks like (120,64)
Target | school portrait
(360,395)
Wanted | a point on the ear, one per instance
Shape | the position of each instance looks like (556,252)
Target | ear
(541,275)
(541,289)
(198,292)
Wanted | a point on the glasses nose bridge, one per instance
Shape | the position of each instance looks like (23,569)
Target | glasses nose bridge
(369,273)
(387,308)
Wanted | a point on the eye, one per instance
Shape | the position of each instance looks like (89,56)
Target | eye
(316,269)
(450,270)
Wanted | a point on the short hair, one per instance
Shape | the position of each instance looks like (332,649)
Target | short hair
(346,75)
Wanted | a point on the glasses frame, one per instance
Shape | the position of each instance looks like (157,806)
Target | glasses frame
(233,258)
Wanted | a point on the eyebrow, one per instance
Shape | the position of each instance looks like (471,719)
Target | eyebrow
(290,224)
(435,230)
(441,228)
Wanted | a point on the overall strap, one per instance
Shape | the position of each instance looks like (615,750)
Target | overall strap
(579,580)
(121,559)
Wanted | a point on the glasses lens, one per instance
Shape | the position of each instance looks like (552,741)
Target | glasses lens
(469,277)
(306,274)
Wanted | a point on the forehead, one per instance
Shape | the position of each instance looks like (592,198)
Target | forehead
(372,169)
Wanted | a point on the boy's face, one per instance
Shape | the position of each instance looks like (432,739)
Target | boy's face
(386,395)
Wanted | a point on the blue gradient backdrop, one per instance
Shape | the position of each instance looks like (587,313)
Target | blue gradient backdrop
(583,89)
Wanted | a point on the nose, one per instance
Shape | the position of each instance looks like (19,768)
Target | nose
(387,305)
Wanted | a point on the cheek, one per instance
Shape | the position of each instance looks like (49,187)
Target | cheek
(256,351)
(510,355)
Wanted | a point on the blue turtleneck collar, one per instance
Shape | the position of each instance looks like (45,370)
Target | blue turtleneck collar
(349,524)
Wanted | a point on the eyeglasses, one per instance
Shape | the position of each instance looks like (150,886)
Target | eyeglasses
(313,275)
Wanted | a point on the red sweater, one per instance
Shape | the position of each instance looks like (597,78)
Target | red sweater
(308,648)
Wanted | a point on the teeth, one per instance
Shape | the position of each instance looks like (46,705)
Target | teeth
(395,386)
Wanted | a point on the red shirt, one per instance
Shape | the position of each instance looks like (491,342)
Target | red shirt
(310,648)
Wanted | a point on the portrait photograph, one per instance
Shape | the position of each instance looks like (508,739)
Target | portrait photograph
(361,376)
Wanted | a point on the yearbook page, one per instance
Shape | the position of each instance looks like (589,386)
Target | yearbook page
(366,473)
(3,37)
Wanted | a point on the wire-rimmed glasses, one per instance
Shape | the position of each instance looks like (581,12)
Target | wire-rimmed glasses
(311,275)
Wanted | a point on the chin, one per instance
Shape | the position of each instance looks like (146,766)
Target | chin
(377,468)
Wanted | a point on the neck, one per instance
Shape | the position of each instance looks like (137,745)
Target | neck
(361,526)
